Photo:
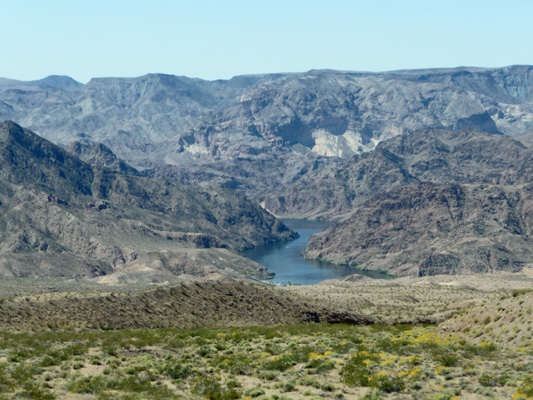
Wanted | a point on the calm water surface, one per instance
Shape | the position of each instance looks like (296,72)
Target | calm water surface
(286,260)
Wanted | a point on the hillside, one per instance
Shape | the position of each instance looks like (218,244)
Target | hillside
(505,321)
(326,189)
(62,217)
(428,229)
(161,119)
(191,305)
(75,346)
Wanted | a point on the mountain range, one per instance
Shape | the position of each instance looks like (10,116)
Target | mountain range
(159,119)
(66,218)
(152,161)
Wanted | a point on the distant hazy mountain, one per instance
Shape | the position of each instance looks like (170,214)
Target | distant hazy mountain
(60,216)
(162,119)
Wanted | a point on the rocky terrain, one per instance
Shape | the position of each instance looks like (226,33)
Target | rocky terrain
(447,202)
(319,144)
(428,229)
(333,188)
(162,119)
(62,217)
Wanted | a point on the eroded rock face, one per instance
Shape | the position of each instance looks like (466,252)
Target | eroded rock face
(161,119)
(335,189)
(59,216)
(430,229)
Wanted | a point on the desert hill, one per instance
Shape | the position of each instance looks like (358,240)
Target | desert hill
(429,229)
(199,304)
(505,321)
(63,217)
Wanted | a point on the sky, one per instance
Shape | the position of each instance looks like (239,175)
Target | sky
(218,39)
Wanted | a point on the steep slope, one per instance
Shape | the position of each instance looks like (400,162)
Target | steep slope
(427,229)
(162,119)
(527,139)
(334,189)
(62,217)
(100,156)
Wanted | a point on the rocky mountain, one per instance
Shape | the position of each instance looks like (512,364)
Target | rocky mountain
(63,217)
(160,119)
(332,189)
(100,156)
(527,139)
(430,229)
(445,202)
(320,144)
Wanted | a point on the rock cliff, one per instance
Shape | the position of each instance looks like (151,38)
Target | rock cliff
(63,217)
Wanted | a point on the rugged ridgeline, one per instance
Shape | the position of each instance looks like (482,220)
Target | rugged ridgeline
(162,119)
(332,189)
(63,217)
(265,133)
(428,229)
(444,203)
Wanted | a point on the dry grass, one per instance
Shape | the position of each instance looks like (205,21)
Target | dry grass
(505,321)
(412,300)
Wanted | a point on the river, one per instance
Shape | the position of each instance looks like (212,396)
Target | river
(286,260)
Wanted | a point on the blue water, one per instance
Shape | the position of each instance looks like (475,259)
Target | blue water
(286,260)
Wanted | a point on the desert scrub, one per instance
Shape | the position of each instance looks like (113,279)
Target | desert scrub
(211,389)
(525,388)
(313,360)
(356,372)
(387,383)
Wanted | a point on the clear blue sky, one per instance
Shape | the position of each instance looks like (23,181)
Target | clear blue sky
(217,39)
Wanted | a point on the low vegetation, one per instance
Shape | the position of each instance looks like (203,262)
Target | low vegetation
(506,320)
(316,361)
(186,305)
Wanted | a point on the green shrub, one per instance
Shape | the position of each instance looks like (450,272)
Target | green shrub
(33,391)
(526,386)
(255,392)
(88,384)
(448,359)
(268,375)
(232,383)
(213,390)
(355,372)
(235,364)
(175,369)
(279,363)
(489,380)
(289,386)
(387,383)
